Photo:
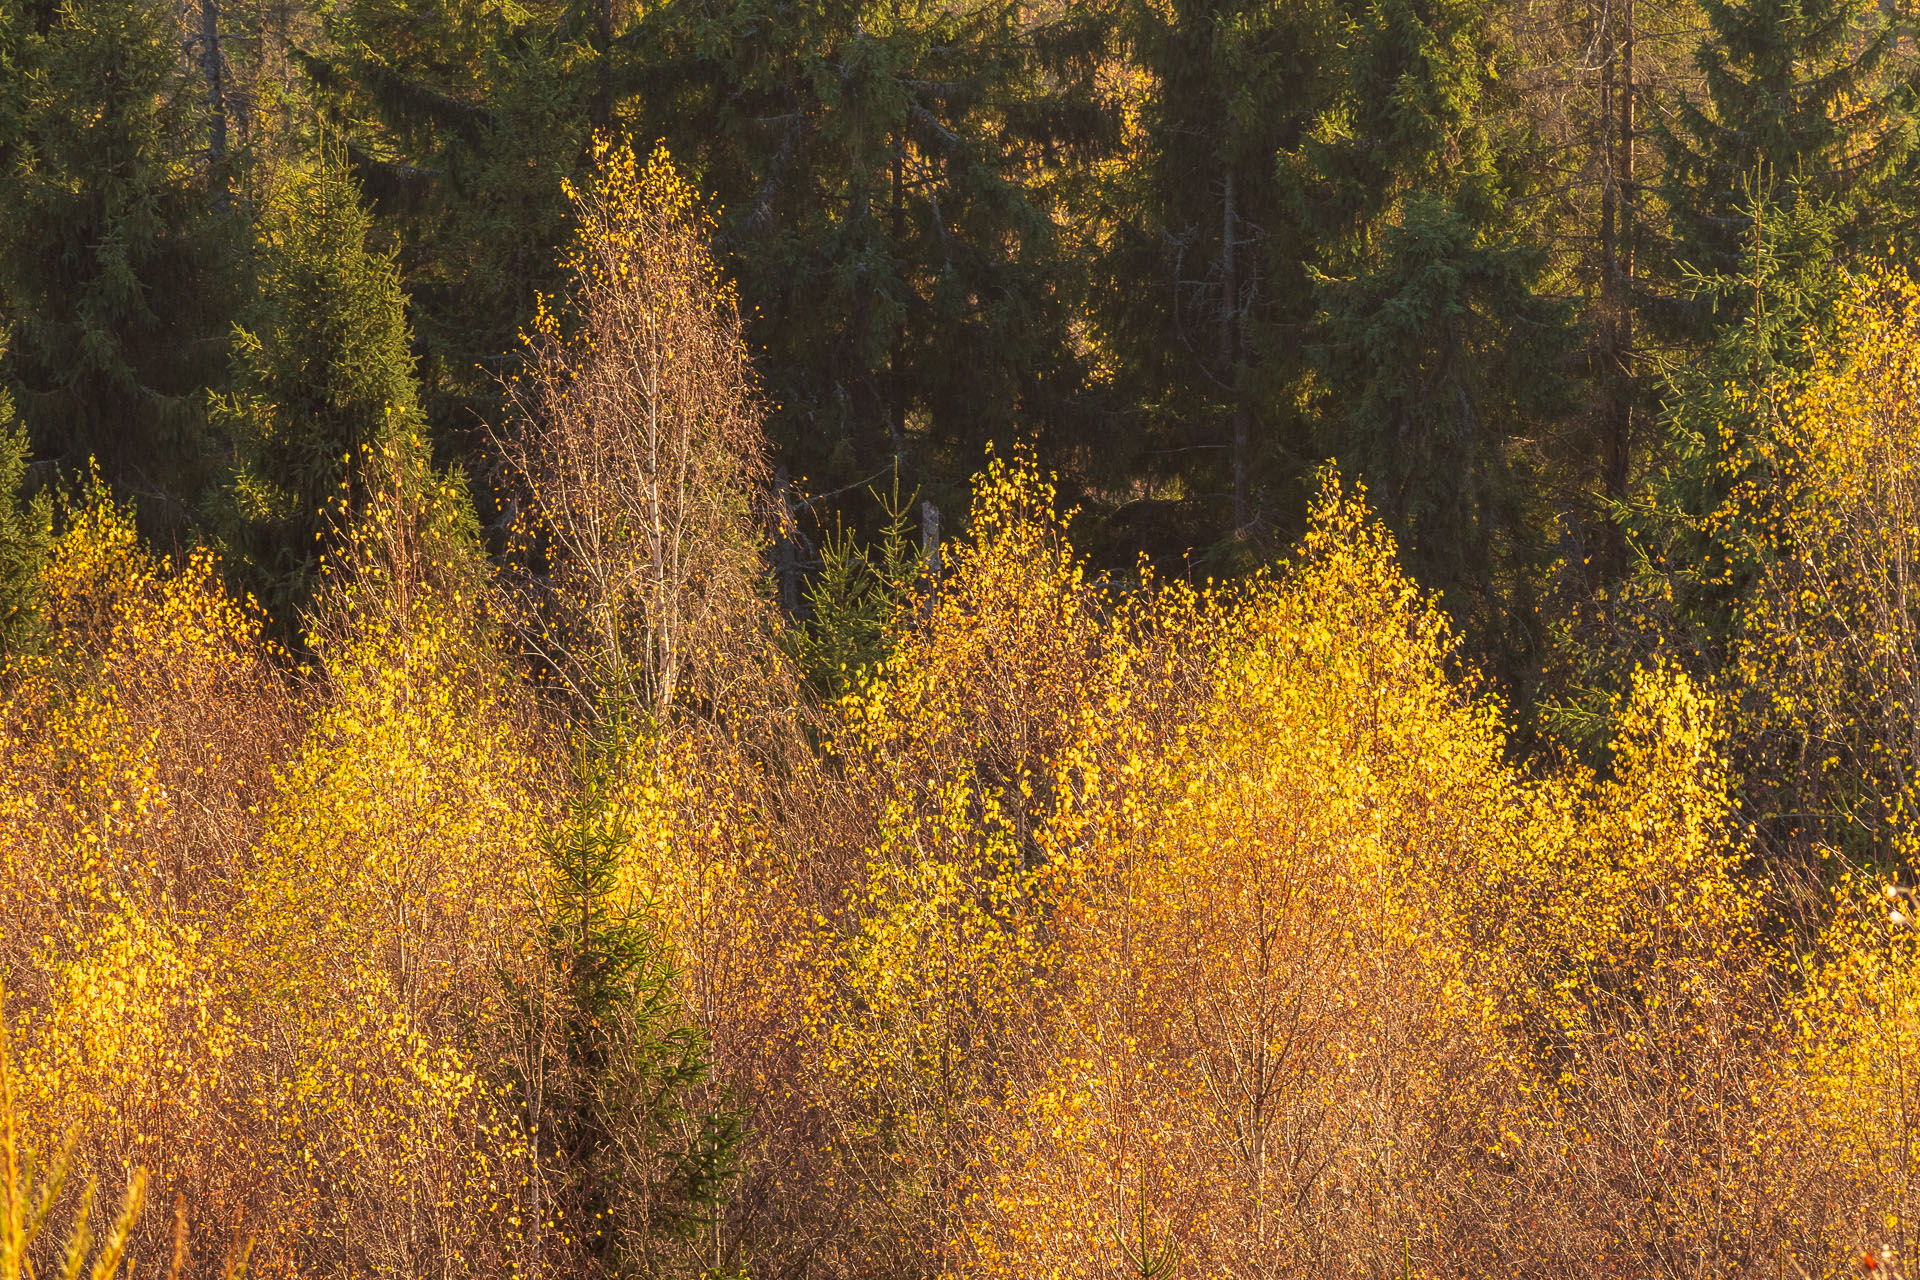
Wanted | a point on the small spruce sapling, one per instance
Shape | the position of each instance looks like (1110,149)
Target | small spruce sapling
(653,1155)
(856,598)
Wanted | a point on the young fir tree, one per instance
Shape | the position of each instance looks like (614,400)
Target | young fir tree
(112,270)
(855,600)
(648,1156)
(1438,352)
(1711,519)
(321,386)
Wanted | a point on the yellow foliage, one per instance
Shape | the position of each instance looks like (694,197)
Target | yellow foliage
(125,810)
(1179,931)
(31,1183)
(1858,1024)
(1238,1079)
(254,968)
(1210,933)
(1828,670)
(638,445)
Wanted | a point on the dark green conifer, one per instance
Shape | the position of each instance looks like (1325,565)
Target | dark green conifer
(855,601)
(322,385)
(1782,175)
(1201,298)
(1439,354)
(111,265)
(876,164)
(460,126)
(1711,521)
(1806,103)
(26,526)
(649,1144)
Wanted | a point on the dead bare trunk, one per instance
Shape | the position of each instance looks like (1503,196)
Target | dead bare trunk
(1229,355)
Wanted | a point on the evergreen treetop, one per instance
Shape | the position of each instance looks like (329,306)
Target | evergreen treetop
(1806,101)
(322,382)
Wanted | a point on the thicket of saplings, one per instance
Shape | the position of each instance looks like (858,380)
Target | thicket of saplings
(533,915)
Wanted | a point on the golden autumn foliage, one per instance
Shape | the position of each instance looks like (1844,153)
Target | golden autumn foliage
(1186,931)
(637,443)
(262,913)
(1159,930)
(1211,932)
(1829,670)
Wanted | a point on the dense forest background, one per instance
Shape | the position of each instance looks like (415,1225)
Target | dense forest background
(813,639)
(1504,264)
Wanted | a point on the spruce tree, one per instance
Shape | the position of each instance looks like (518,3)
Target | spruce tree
(460,125)
(1711,519)
(1439,354)
(856,599)
(1785,173)
(112,271)
(1200,297)
(26,526)
(649,1144)
(321,385)
(896,253)
(1807,103)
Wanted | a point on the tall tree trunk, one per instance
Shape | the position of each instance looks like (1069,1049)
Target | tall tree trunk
(1617,482)
(897,357)
(787,568)
(211,65)
(1608,192)
(1229,354)
(1615,336)
(930,545)
(603,89)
